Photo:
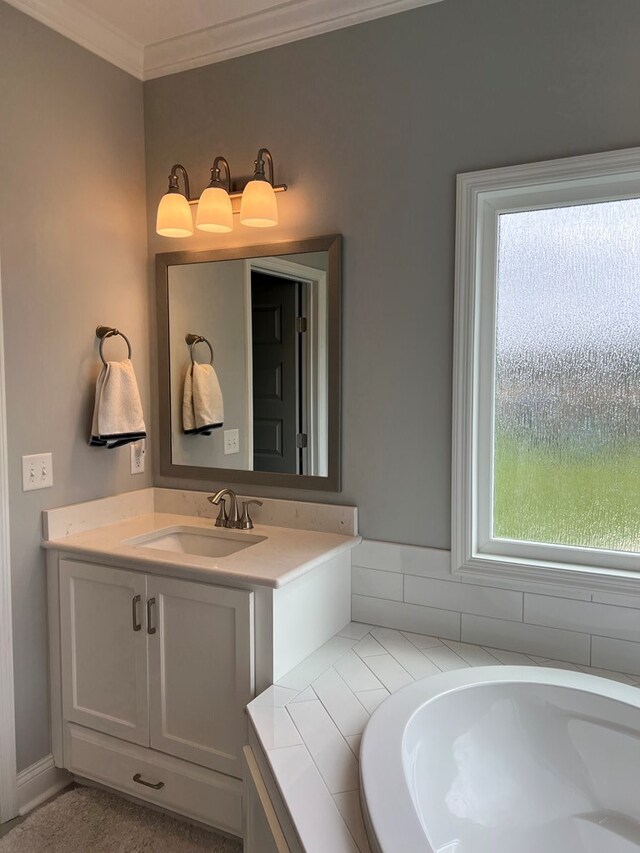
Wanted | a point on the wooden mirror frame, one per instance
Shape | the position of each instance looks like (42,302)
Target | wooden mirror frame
(332,244)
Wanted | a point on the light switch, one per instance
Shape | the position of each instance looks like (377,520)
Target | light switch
(37,471)
(231,441)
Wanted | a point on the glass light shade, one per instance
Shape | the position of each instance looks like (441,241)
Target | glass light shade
(258,207)
(174,216)
(214,211)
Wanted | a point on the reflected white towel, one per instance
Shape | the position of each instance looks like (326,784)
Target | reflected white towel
(117,413)
(202,407)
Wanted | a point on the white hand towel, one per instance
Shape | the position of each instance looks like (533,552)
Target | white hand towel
(202,406)
(117,413)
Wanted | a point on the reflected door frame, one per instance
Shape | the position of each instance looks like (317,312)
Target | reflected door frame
(8,774)
(316,402)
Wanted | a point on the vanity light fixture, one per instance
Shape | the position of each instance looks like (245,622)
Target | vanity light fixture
(256,203)
(215,212)
(174,214)
(258,207)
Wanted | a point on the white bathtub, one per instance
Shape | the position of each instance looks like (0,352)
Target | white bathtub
(504,760)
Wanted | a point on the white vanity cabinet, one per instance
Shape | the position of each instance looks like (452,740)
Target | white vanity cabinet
(156,661)
(155,655)
(162,663)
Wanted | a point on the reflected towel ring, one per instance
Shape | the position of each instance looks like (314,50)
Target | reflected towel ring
(104,332)
(192,340)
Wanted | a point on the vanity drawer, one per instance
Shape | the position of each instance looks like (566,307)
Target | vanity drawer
(193,791)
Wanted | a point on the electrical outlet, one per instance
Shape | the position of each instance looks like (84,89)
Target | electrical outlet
(37,471)
(231,441)
(138,451)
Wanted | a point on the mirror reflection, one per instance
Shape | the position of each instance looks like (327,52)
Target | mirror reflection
(248,363)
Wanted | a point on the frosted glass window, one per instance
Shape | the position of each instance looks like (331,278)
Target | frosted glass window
(566,465)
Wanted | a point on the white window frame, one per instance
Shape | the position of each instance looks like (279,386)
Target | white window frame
(481,198)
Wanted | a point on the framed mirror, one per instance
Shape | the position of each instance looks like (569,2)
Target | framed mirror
(249,364)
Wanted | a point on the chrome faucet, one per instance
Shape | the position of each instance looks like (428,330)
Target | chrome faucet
(230,518)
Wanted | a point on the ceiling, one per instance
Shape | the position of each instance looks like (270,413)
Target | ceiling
(152,38)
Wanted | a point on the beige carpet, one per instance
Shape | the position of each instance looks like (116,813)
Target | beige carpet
(85,819)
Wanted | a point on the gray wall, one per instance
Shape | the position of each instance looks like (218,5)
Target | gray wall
(73,254)
(369,126)
(315,260)
(209,300)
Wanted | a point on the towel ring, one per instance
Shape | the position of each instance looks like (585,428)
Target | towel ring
(192,340)
(104,332)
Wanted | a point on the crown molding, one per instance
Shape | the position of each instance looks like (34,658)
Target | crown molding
(288,22)
(87,30)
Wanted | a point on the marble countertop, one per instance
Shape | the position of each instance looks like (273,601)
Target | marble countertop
(310,722)
(284,554)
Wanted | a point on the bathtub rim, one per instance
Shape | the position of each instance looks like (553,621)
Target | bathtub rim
(381,744)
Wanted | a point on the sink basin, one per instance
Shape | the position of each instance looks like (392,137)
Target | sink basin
(197,541)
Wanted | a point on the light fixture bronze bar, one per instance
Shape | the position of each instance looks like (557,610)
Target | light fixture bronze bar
(279,188)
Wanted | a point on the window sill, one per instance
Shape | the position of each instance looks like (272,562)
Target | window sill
(496,568)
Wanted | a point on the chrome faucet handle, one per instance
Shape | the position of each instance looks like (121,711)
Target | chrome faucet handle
(245,522)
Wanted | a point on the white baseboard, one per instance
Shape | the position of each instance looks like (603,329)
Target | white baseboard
(39,782)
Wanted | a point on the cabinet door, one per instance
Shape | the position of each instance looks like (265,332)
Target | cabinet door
(104,650)
(200,671)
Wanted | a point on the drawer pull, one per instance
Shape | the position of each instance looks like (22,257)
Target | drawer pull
(137,626)
(156,787)
(150,627)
